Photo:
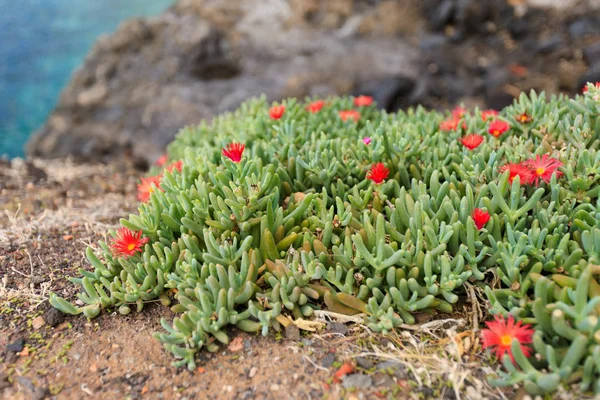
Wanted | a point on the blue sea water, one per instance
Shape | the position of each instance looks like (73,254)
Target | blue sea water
(41,43)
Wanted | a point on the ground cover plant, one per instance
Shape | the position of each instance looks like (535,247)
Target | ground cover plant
(274,211)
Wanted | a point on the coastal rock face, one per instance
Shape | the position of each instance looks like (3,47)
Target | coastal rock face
(140,85)
(152,77)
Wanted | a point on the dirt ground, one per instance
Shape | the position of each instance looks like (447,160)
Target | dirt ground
(52,210)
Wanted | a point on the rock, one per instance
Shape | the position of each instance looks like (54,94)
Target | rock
(292,332)
(53,317)
(391,94)
(16,346)
(391,366)
(252,372)
(328,360)
(439,13)
(38,322)
(591,53)
(587,26)
(471,15)
(152,77)
(495,93)
(40,393)
(337,327)
(382,380)
(551,44)
(364,362)
(358,381)
(25,383)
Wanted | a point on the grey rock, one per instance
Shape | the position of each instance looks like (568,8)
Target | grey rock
(364,362)
(382,380)
(591,53)
(292,332)
(337,327)
(585,27)
(40,393)
(154,76)
(26,383)
(53,317)
(16,346)
(328,360)
(358,381)
(391,365)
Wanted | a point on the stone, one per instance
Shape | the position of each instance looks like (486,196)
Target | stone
(53,317)
(391,366)
(328,360)
(591,53)
(391,93)
(40,393)
(38,322)
(292,332)
(358,381)
(364,362)
(252,372)
(337,327)
(25,383)
(16,346)
(583,27)
(382,380)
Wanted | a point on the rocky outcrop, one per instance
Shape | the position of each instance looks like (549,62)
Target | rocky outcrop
(139,86)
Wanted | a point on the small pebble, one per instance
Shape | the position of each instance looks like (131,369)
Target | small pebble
(358,381)
(292,332)
(252,372)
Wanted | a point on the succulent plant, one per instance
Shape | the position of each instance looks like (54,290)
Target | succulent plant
(309,214)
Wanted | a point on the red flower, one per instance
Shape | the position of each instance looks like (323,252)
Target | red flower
(378,173)
(178,165)
(315,106)
(500,334)
(234,151)
(345,115)
(471,141)
(518,169)
(498,127)
(127,243)
(524,118)
(458,112)
(585,88)
(148,186)
(450,124)
(543,167)
(363,101)
(487,114)
(276,112)
(162,160)
(480,217)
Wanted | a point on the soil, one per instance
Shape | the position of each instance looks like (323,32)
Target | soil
(53,210)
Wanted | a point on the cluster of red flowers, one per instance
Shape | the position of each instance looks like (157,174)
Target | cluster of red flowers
(534,170)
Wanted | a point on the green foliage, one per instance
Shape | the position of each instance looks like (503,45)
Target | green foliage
(296,226)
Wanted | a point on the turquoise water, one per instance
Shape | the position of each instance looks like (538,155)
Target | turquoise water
(41,43)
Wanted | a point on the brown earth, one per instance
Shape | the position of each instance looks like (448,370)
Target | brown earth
(53,210)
